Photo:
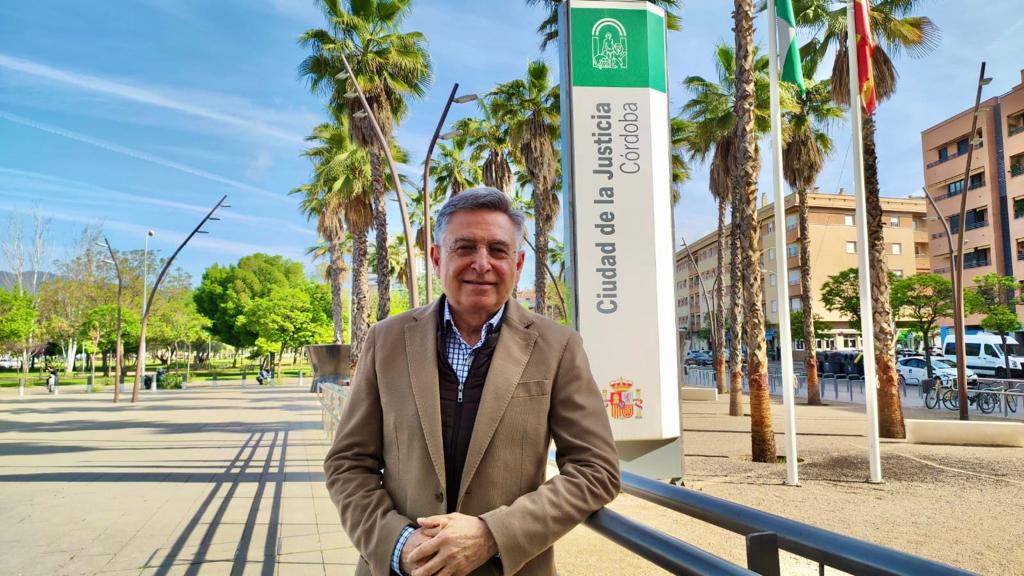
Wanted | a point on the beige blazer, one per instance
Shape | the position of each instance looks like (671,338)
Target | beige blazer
(386,465)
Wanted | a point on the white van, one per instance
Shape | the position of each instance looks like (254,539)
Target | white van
(984,353)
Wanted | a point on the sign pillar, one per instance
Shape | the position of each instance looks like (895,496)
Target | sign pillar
(616,171)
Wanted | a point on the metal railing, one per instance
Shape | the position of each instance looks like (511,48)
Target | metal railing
(976,224)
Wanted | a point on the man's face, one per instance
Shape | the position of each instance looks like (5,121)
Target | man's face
(477,260)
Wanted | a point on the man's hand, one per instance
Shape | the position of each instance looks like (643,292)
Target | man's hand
(416,539)
(457,545)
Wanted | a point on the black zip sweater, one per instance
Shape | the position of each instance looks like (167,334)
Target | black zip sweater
(458,418)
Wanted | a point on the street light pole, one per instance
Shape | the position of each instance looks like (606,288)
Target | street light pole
(152,295)
(141,356)
(959,317)
(410,252)
(117,346)
(426,185)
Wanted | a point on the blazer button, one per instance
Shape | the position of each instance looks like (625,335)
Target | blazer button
(439,496)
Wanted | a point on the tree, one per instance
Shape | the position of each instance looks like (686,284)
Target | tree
(803,155)
(895,29)
(289,317)
(796,320)
(390,65)
(548,29)
(489,139)
(923,299)
(225,293)
(17,317)
(530,109)
(841,293)
(995,296)
(711,132)
(452,169)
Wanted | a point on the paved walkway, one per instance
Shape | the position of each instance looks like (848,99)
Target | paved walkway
(209,480)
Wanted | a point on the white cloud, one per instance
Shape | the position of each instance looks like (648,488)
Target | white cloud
(259,166)
(253,121)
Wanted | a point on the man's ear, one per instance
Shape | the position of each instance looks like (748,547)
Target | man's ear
(435,258)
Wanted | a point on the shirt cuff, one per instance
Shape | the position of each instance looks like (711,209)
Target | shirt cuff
(396,556)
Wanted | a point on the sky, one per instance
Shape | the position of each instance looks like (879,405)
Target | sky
(139,115)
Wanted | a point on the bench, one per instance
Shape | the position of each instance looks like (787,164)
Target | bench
(698,394)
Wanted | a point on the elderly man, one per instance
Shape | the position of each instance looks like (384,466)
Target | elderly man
(438,465)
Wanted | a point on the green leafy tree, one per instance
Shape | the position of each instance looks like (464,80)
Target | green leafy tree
(995,296)
(796,320)
(841,293)
(922,299)
(17,317)
(453,168)
(289,317)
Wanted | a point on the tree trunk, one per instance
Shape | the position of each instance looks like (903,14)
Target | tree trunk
(810,338)
(380,225)
(334,270)
(721,378)
(496,172)
(541,231)
(762,437)
(69,360)
(359,322)
(735,317)
(1006,355)
(928,356)
(890,409)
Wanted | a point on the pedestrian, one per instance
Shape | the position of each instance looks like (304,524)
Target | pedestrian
(438,463)
(51,380)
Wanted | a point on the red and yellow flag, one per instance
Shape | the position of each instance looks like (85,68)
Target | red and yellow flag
(865,46)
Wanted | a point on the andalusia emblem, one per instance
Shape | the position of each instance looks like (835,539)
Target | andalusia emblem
(608,45)
(625,403)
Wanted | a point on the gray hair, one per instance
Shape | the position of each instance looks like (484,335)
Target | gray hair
(482,198)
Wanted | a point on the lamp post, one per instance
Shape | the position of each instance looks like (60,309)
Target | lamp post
(958,262)
(117,329)
(426,181)
(152,294)
(410,253)
(141,356)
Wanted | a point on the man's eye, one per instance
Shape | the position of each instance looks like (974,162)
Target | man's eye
(498,251)
(465,250)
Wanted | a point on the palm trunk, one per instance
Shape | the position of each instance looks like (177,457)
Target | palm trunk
(721,378)
(496,172)
(890,409)
(735,307)
(541,231)
(762,437)
(359,322)
(380,225)
(810,338)
(334,270)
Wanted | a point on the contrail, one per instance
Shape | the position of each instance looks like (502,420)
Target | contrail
(138,155)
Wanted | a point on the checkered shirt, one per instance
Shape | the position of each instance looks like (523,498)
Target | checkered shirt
(460,354)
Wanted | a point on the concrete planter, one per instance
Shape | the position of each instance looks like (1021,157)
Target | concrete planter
(969,433)
(330,364)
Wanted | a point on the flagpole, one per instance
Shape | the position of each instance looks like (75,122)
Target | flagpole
(781,259)
(867,325)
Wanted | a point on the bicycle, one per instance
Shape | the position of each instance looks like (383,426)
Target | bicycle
(983,399)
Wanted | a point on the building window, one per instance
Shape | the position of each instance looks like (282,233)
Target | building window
(770,228)
(771,253)
(954,223)
(1018,207)
(794,276)
(790,221)
(894,221)
(897,248)
(775,305)
(897,273)
(798,344)
(795,305)
(943,154)
(962,145)
(954,188)
(848,219)
(771,279)
(977,218)
(1020,248)
(1015,124)
(792,250)
(976,181)
(849,342)
(977,259)
(851,247)
(1016,165)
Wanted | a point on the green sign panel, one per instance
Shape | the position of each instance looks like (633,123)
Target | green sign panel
(617,48)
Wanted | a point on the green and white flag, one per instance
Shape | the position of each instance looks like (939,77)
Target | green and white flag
(789,51)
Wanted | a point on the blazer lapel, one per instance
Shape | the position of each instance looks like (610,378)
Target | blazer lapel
(421,352)
(510,357)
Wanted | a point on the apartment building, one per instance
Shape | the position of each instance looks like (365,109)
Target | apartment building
(833,248)
(993,226)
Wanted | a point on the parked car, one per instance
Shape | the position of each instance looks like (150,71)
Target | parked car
(984,354)
(698,358)
(914,370)
(8,362)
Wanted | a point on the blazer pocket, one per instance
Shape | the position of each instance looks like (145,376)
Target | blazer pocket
(527,388)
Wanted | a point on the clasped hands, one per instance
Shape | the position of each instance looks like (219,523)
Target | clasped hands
(448,545)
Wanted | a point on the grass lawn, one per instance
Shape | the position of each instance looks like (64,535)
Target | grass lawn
(222,369)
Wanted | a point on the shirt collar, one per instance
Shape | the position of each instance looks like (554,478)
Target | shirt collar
(487,328)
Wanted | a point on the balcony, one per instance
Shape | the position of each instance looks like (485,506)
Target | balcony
(976,225)
(1020,255)
(976,184)
(977,263)
(1016,170)
(1014,130)
(952,156)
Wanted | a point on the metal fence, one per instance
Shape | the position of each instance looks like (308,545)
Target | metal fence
(765,534)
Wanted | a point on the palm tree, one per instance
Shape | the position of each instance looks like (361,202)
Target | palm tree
(747,166)
(489,139)
(548,29)
(681,133)
(452,169)
(712,133)
(530,109)
(895,29)
(803,155)
(389,66)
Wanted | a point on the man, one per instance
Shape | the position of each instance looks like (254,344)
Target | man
(438,464)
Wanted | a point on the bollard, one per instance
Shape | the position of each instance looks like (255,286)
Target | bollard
(88,384)
(243,378)
(184,384)
(120,385)
(21,386)
(300,378)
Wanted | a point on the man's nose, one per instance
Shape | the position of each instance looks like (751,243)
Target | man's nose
(481,260)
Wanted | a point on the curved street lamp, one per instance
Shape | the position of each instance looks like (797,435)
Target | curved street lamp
(118,349)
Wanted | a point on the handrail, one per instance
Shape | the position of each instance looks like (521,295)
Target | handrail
(823,546)
(670,553)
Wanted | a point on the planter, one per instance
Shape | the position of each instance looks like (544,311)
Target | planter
(330,364)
